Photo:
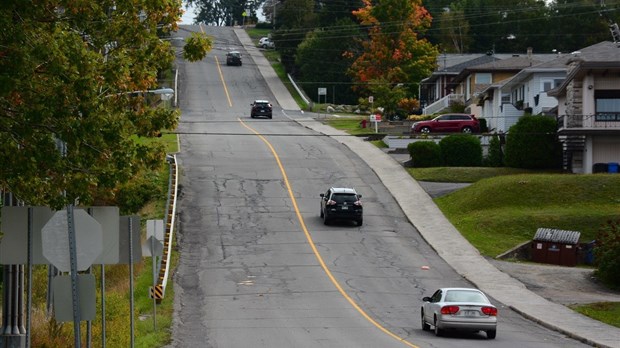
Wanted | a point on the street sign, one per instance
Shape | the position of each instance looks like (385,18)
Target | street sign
(152,247)
(155,228)
(108,218)
(322,91)
(371,99)
(63,304)
(125,222)
(88,237)
(14,244)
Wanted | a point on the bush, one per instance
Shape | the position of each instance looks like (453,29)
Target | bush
(136,193)
(607,253)
(425,154)
(483,125)
(532,144)
(494,157)
(461,150)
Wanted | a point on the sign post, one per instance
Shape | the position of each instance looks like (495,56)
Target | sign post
(322,92)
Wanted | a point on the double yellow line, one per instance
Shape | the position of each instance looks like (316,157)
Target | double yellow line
(314,248)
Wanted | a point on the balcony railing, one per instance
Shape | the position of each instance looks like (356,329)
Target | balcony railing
(601,120)
(443,103)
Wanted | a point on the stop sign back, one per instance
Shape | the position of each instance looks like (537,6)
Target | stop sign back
(88,238)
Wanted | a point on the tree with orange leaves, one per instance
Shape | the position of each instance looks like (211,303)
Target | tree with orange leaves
(395,53)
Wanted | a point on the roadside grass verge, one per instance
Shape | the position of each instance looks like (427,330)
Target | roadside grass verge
(496,214)
(463,174)
(350,124)
(607,312)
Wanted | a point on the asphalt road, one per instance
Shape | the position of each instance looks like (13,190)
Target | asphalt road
(257,265)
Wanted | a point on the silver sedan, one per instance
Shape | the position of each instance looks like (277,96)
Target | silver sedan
(459,309)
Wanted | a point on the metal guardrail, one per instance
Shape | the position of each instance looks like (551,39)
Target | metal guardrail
(159,290)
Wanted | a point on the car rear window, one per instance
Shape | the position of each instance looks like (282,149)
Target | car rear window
(464,296)
(344,197)
(262,104)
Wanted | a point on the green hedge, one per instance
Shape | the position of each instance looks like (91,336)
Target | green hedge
(532,143)
(461,150)
(425,154)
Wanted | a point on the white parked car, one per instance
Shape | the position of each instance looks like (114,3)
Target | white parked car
(266,42)
(463,309)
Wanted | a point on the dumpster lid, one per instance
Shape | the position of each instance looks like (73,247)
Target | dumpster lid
(557,236)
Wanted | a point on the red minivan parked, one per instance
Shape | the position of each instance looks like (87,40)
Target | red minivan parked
(448,123)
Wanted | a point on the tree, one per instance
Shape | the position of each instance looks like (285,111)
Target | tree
(393,54)
(328,45)
(224,12)
(294,18)
(71,110)
(454,29)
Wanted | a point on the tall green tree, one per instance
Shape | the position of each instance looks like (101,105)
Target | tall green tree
(454,29)
(322,62)
(394,52)
(294,19)
(224,12)
(74,77)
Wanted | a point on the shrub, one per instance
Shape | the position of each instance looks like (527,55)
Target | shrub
(483,125)
(532,143)
(136,193)
(607,253)
(457,107)
(461,150)
(494,157)
(425,154)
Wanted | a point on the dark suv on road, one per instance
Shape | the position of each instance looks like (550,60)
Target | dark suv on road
(448,123)
(261,108)
(233,58)
(341,203)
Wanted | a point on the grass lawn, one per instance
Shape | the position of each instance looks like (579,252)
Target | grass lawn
(607,312)
(350,124)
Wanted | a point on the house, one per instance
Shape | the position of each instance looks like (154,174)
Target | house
(503,103)
(435,94)
(441,88)
(589,108)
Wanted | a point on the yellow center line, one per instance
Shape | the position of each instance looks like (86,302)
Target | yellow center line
(219,69)
(314,248)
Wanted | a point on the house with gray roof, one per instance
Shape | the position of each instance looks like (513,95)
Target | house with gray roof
(440,89)
(589,109)
(503,103)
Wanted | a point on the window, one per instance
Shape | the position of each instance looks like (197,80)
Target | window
(607,104)
(550,84)
(484,78)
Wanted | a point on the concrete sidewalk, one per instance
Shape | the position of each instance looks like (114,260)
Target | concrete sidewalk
(441,234)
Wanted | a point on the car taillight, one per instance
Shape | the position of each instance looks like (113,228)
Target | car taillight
(449,309)
(330,202)
(490,311)
(358,203)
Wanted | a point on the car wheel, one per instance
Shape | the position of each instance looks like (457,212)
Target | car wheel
(425,130)
(321,213)
(425,325)
(270,117)
(467,130)
(438,331)
(491,334)
(252,116)
(325,220)
(360,222)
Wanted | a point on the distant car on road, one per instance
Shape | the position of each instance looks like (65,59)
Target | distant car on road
(341,203)
(233,58)
(448,123)
(261,108)
(463,309)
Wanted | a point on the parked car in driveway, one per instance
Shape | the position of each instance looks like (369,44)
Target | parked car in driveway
(233,58)
(448,123)
(463,309)
(341,203)
(261,108)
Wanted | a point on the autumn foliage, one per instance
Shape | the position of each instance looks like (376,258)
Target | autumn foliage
(394,51)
